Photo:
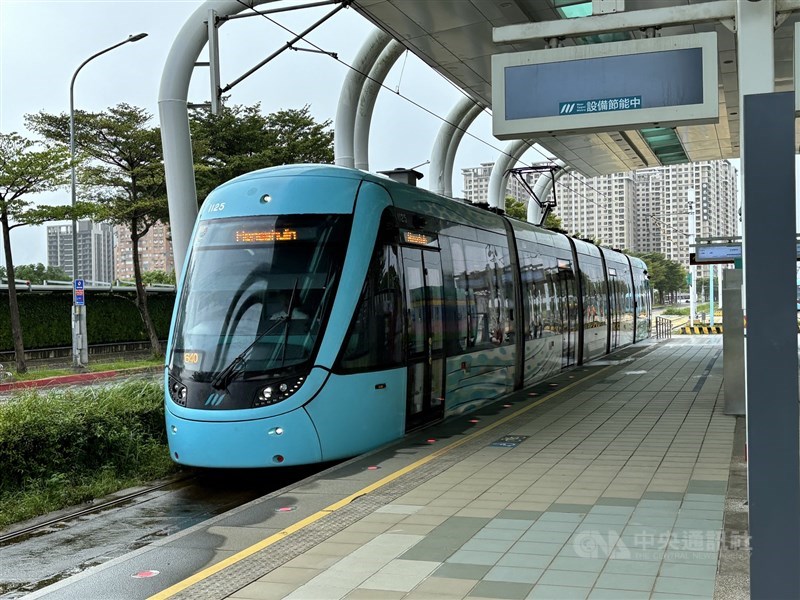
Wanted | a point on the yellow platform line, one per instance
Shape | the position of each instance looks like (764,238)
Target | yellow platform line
(231,560)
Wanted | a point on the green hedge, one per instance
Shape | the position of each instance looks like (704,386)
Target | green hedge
(110,318)
(74,433)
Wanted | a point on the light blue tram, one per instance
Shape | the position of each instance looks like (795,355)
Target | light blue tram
(324,311)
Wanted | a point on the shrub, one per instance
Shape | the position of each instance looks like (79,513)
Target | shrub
(74,433)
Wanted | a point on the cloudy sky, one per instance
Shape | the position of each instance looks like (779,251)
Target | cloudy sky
(42,43)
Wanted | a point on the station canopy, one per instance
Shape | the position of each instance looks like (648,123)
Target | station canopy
(455,37)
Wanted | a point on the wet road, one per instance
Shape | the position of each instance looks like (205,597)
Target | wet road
(71,546)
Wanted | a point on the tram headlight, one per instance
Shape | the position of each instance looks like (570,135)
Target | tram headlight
(277,392)
(178,392)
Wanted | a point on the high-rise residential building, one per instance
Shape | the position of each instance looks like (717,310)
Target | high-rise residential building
(663,206)
(155,251)
(95,250)
(642,211)
(476,185)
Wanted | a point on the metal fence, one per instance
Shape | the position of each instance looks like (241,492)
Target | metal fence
(663,328)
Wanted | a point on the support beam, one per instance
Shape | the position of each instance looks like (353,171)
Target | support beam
(452,149)
(436,172)
(634,20)
(345,122)
(369,94)
(773,436)
(174,117)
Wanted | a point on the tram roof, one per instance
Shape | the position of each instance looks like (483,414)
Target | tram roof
(454,37)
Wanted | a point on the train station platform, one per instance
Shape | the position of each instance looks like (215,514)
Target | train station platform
(608,482)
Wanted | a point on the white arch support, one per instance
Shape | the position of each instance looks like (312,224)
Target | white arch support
(442,144)
(372,86)
(455,140)
(174,117)
(345,122)
(498,180)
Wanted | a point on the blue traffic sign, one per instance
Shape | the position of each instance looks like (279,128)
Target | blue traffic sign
(80,299)
(79,284)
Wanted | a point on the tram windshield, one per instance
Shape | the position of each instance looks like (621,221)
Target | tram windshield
(257,288)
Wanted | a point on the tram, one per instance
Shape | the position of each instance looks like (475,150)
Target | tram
(324,311)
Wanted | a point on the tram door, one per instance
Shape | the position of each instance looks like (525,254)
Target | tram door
(568,304)
(425,327)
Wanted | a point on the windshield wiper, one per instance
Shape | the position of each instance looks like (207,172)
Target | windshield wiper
(288,319)
(222,379)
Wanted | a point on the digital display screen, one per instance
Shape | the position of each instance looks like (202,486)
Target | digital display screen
(420,239)
(192,359)
(251,237)
(417,238)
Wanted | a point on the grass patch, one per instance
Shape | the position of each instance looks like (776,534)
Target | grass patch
(684,312)
(64,447)
(43,373)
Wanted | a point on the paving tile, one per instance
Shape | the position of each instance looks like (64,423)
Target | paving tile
(501,590)
(572,578)
(445,587)
(567,563)
(499,534)
(621,581)
(631,567)
(400,575)
(606,594)
(514,574)
(686,571)
(563,526)
(558,592)
(484,545)
(606,519)
(674,585)
(569,517)
(522,515)
(361,594)
(550,537)
(508,523)
(691,558)
(570,508)
(544,548)
(473,557)
(294,575)
(461,571)
(263,591)
(537,561)
(660,596)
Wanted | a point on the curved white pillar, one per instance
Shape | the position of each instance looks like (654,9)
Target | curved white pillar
(498,180)
(372,86)
(455,140)
(344,125)
(174,117)
(442,144)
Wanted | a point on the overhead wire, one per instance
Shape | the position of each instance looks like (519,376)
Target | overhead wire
(382,85)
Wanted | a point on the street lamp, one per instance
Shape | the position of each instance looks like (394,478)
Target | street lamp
(80,351)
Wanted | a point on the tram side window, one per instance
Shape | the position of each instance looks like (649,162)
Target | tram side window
(374,339)
(485,265)
(465,309)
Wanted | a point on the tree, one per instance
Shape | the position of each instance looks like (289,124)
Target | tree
(241,139)
(38,273)
(26,167)
(666,276)
(123,176)
(156,276)
(519,210)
